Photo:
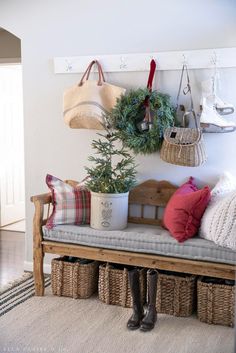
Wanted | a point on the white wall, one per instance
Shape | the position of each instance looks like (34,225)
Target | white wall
(82,27)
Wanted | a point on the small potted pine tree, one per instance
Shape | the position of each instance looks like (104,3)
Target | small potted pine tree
(110,180)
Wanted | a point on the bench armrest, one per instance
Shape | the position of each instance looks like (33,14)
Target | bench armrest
(43,198)
(39,202)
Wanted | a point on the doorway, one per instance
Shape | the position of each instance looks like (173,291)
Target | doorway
(12,203)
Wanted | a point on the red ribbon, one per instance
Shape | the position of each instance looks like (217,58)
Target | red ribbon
(150,80)
(151,74)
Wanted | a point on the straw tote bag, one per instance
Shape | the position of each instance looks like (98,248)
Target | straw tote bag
(86,104)
(184,146)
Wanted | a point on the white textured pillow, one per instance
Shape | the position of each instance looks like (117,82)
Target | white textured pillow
(225,185)
(219,220)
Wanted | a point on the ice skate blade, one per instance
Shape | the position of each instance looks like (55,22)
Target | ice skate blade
(211,128)
(225,111)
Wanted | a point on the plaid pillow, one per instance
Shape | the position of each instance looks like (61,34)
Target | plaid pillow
(71,205)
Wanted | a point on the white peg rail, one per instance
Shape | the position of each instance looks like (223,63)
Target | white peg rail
(171,60)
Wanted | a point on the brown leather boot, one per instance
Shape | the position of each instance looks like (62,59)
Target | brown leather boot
(150,317)
(134,321)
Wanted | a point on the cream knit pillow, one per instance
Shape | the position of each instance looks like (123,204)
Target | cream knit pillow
(225,185)
(219,220)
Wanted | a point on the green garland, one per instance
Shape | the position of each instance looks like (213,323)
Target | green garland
(130,111)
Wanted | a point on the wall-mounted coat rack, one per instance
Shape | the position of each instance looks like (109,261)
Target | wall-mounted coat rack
(171,60)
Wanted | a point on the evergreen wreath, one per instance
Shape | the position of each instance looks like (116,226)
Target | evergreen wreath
(130,111)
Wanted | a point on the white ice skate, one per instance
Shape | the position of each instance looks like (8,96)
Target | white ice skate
(209,92)
(212,121)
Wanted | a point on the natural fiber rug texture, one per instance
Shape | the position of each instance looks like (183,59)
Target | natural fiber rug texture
(64,325)
(17,292)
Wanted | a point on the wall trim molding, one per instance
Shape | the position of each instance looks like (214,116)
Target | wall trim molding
(169,60)
(6,61)
(28,266)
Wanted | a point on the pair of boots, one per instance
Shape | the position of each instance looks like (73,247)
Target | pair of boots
(145,322)
(214,109)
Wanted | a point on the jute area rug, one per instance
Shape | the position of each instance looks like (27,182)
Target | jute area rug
(63,325)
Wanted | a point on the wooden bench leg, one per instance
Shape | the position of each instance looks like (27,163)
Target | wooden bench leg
(38,249)
(38,271)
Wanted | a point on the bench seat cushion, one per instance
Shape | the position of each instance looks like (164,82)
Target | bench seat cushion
(143,239)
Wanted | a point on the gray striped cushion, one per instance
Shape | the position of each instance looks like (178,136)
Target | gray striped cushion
(143,239)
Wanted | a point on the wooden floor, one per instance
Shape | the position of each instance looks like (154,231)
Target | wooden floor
(12,249)
(16,226)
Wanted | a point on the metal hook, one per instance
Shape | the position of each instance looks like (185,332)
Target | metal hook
(184,59)
(214,58)
(216,73)
(95,69)
(69,66)
(123,64)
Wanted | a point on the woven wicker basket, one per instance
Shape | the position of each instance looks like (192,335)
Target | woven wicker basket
(186,148)
(74,279)
(176,295)
(113,285)
(215,304)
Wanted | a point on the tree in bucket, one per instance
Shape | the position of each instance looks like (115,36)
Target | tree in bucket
(110,180)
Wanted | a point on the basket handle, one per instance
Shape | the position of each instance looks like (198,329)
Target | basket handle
(177,296)
(75,276)
(124,287)
(60,278)
(210,302)
(107,280)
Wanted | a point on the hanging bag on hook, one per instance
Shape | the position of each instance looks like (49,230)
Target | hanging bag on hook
(86,103)
(183,145)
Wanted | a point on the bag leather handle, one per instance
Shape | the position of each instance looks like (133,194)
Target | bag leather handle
(100,72)
(85,76)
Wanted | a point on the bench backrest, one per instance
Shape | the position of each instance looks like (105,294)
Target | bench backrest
(149,198)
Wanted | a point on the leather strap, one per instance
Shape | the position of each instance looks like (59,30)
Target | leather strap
(180,86)
(101,75)
(86,72)
(85,76)
(185,91)
(147,117)
(94,62)
(146,101)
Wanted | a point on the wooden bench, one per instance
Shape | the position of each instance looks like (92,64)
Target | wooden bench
(149,193)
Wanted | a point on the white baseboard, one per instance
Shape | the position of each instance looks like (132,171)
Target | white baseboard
(28,266)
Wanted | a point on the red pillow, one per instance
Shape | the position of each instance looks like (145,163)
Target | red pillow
(183,213)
